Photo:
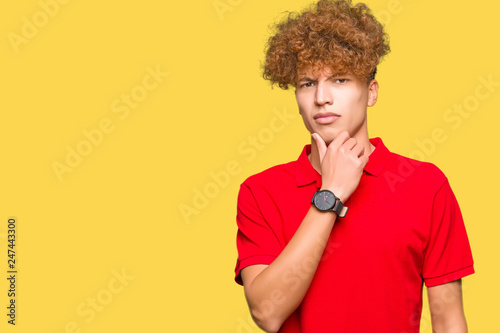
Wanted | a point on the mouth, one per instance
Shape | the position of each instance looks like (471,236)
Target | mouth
(324,118)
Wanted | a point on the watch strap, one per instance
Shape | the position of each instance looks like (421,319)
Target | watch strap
(339,208)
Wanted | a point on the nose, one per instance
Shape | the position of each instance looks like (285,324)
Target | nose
(323,94)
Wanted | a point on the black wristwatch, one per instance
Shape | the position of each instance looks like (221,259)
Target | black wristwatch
(326,201)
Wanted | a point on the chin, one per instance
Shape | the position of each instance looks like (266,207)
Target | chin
(328,137)
(332,133)
(328,134)
(327,142)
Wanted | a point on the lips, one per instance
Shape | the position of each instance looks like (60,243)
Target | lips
(326,117)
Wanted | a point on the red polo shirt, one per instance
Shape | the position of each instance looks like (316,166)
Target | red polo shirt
(403,228)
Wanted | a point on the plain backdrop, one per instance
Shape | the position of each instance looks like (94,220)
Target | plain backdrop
(127,128)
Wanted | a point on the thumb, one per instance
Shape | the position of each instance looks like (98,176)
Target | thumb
(321,146)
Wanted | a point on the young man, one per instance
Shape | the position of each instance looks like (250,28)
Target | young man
(343,239)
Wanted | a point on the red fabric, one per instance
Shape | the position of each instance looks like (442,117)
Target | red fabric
(403,228)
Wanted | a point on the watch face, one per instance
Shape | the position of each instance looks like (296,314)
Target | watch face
(324,200)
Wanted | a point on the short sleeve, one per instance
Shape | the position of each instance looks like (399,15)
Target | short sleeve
(447,255)
(256,241)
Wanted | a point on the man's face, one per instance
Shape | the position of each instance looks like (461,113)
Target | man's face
(331,103)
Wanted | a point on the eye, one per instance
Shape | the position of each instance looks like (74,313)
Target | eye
(341,81)
(307,84)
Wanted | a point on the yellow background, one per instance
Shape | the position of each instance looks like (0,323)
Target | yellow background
(119,209)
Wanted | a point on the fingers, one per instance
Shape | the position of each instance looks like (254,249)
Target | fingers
(343,143)
(342,163)
(339,140)
(350,144)
(364,160)
(321,146)
(358,149)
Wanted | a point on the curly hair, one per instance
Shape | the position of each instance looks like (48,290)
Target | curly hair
(331,33)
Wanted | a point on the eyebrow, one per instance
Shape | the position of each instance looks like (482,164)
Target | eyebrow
(308,79)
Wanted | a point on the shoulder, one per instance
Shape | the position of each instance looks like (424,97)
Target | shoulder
(277,175)
(419,175)
(258,190)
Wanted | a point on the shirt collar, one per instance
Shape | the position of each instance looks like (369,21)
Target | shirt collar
(378,158)
(306,174)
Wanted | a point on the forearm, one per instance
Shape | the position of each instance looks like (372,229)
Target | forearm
(459,327)
(273,292)
(446,307)
(279,289)
(453,323)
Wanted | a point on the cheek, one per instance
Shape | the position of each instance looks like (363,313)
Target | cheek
(306,122)
(303,106)
(355,100)
(300,102)
(356,97)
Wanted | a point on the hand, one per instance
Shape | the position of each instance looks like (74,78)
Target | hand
(342,164)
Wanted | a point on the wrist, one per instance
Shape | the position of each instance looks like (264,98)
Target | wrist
(338,193)
(326,200)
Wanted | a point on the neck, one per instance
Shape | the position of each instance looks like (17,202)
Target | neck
(314,156)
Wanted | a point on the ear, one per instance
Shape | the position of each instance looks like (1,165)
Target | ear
(372,92)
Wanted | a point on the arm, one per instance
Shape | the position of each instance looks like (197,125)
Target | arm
(274,291)
(446,307)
